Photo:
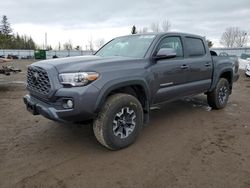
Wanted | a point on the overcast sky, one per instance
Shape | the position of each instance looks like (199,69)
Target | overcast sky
(80,20)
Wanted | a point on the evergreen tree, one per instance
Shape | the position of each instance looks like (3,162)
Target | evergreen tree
(5,27)
(6,40)
(210,43)
(13,41)
(133,31)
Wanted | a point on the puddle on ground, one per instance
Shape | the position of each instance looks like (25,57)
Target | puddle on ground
(234,105)
(207,108)
(230,109)
(197,103)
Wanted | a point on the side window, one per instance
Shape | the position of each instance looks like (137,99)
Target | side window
(172,42)
(195,46)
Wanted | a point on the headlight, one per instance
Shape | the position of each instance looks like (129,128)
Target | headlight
(78,79)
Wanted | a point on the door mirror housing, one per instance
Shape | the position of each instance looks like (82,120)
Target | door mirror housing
(165,53)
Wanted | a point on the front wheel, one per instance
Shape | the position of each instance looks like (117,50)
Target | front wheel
(119,121)
(218,98)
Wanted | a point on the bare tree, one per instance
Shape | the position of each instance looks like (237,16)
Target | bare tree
(99,43)
(234,37)
(155,27)
(68,46)
(143,30)
(241,39)
(59,46)
(91,45)
(165,25)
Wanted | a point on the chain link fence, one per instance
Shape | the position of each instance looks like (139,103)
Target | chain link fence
(242,53)
(17,54)
(66,53)
(30,54)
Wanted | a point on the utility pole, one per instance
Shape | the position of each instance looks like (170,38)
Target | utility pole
(45,41)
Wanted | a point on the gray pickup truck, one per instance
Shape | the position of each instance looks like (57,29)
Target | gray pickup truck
(115,87)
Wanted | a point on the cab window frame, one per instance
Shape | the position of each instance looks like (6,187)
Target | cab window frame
(188,47)
(157,47)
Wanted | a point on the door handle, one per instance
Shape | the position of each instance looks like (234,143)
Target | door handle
(208,64)
(184,67)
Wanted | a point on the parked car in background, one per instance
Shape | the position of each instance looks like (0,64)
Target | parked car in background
(247,70)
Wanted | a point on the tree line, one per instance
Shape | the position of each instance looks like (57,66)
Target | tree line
(232,37)
(155,27)
(9,40)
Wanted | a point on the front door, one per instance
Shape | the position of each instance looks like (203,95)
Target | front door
(170,75)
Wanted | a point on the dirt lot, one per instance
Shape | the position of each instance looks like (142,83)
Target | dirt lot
(185,145)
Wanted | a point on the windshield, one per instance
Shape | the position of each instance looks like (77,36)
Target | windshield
(134,46)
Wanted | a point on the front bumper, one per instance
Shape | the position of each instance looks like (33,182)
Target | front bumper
(84,99)
(37,107)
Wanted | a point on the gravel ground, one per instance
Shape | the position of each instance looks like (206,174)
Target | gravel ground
(186,144)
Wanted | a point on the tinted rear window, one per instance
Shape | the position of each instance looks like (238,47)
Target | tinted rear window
(195,46)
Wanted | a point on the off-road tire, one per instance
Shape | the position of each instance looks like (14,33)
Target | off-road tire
(103,124)
(214,96)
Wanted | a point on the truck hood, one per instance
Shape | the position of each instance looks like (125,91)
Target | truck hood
(86,63)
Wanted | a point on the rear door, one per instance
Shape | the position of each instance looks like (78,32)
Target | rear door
(200,64)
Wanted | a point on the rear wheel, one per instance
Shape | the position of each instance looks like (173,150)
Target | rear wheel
(218,98)
(119,122)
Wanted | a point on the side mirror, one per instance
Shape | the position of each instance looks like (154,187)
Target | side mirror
(165,53)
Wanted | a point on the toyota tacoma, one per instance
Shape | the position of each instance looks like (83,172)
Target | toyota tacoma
(115,87)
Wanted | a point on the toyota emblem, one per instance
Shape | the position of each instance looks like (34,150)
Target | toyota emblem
(35,77)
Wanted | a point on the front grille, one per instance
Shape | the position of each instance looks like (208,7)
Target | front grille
(38,80)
